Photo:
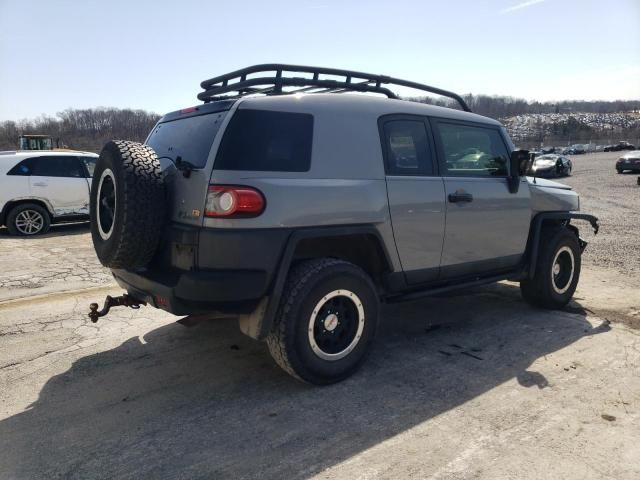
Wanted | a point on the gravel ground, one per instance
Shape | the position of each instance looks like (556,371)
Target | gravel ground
(615,200)
(478,385)
(61,260)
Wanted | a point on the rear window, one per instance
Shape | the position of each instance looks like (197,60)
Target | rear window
(188,138)
(267,141)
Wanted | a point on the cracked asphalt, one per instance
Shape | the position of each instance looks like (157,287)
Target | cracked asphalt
(473,386)
(61,260)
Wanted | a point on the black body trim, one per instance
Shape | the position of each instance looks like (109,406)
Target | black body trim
(288,256)
(536,228)
(205,270)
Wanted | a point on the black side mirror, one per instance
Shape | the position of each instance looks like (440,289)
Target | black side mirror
(519,164)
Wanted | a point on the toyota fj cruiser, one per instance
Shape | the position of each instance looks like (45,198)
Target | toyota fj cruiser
(299,206)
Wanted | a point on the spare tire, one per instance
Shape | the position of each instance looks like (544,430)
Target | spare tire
(127,205)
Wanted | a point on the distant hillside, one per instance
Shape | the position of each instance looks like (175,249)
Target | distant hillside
(551,128)
(529,123)
(87,129)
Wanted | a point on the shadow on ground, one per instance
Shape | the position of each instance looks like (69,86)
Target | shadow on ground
(206,402)
(57,230)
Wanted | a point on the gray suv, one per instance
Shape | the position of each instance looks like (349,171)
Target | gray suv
(298,200)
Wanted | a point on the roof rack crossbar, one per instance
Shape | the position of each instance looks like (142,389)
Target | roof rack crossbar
(223,86)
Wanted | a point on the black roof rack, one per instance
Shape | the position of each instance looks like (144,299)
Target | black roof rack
(236,84)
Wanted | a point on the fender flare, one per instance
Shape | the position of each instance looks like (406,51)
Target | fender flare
(8,206)
(536,229)
(258,323)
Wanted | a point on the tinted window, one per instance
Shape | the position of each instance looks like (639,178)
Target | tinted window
(90,163)
(189,138)
(22,168)
(267,141)
(407,150)
(472,151)
(56,167)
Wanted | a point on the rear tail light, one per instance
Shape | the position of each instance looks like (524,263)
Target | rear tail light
(233,201)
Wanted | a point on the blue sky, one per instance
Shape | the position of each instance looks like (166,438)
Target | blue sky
(59,54)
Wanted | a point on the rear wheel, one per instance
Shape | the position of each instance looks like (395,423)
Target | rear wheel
(28,219)
(326,321)
(557,270)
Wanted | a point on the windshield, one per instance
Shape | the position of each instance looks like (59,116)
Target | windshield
(188,138)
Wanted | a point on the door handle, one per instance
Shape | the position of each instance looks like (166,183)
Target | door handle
(460,197)
(40,184)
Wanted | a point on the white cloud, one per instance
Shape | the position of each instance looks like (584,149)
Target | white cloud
(520,6)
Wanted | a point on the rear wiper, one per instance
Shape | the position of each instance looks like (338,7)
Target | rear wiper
(184,166)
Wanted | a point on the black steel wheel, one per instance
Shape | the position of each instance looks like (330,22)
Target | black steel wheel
(326,321)
(557,271)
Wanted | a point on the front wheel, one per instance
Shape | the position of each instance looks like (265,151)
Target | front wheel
(557,270)
(326,321)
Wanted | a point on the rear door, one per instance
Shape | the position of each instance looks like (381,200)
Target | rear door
(416,195)
(62,181)
(486,225)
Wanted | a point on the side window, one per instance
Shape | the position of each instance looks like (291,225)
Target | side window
(407,148)
(24,168)
(267,141)
(471,151)
(57,166)
(90,163)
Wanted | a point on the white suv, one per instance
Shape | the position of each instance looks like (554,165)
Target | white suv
(38,188)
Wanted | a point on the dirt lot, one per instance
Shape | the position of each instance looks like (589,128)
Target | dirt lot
(474,386)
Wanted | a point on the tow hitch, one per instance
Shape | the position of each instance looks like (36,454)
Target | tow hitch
(121,301)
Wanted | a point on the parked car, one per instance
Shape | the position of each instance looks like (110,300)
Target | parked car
(38,188)
(301,212)
(574,150)
(551,166)
(629,161)
(619,146)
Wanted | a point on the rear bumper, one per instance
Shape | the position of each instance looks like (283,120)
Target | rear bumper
(203,270)
(186,293)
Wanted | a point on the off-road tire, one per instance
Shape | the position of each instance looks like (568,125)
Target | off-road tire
(541,290)
(288,341)
(17,210)
(619,170)
(139,215)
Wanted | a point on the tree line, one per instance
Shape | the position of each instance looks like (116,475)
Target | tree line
(89,129)
(82,129)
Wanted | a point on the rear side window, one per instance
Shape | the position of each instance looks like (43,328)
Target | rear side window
(267,141)
(57,167)
(22,168)
(407,148)
(189,138)
(53,166)
(471,151)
